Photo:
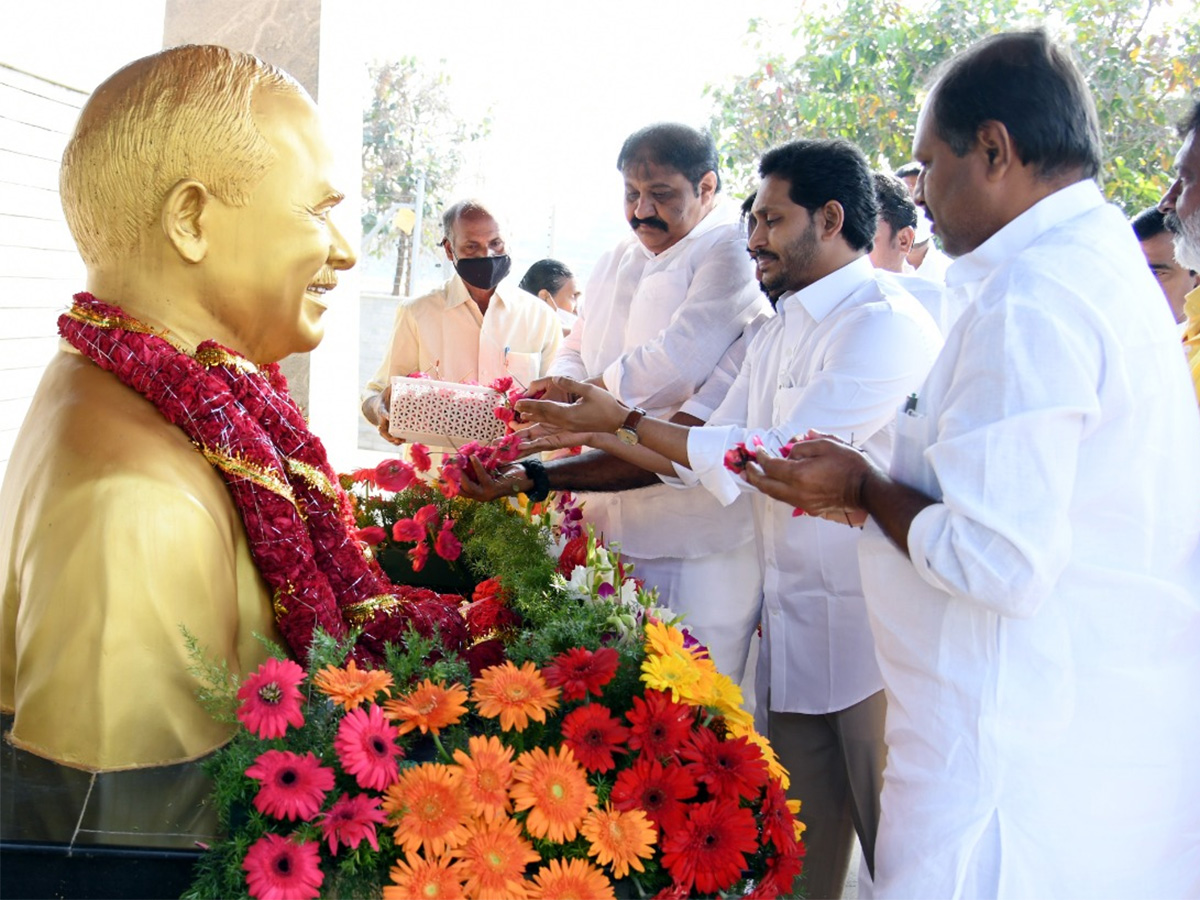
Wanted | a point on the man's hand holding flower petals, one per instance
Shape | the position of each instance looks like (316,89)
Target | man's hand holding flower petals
(822,476)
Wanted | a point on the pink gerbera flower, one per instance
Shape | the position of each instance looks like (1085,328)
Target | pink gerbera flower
(292,786)
(366,747)
(271,699)
(351,820)
(280,869)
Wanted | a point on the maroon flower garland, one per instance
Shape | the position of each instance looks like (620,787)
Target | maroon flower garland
(297,517)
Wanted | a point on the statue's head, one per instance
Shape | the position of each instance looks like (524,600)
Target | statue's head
(217,158)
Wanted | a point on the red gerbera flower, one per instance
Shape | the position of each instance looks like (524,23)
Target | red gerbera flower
(578,671)
(594,736)
(366,747)
(779,878)
(293,786)
(709,849)
(778,823)
(574,554)
(408,530)
(730,769)
(448,546)
(351,820)
(419,454)
(280,869)
(659,725)
(394,475)
(271,699)
(657,789)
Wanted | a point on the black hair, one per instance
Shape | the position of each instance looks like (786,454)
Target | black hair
(1191,123)
(896,206)
(822,170)
(748,212)
(909,168)
(1031,85)
(1148,223)
(688,151)
(545,274)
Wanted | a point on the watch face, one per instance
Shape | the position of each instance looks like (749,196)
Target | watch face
(627,435)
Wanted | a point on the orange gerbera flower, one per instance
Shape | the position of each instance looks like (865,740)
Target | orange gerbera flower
(493,859)
(619,839)
(428,706)
(428,806)
(351,687)
(487,771)
(514,695)
(575,879)
(554,788)
(437,879)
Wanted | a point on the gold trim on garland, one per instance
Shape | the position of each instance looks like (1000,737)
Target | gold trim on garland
(359,613)
(89,316)
(241,468)
(211,356)
(316,479)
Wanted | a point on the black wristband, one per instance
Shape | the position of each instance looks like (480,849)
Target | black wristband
(536,472)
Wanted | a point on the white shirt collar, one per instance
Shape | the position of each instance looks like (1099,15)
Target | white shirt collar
(823,296)
(456,292)
(1022,231)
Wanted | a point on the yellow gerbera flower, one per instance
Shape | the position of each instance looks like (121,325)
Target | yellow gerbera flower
(415,876)
(351,687)
(575,879)
(794,808)
(514,695)
(663,639)
(619,839)
(671,673)
(428,706)
(554,788)
(487,770)
(429,808)
(493,859)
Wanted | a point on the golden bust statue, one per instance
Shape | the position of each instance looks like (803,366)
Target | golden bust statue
(197,185)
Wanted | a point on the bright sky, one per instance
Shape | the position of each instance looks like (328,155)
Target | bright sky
(566,83)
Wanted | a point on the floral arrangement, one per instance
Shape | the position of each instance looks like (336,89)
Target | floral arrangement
(581,745)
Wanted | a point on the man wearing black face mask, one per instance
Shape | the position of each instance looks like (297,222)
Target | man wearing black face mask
(476,327)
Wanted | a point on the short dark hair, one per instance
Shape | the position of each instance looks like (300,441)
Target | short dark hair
(1148,223)
(1031,85)
(545,274)
(822,170)
(1192,122)
(909,168)
(896,206)
(689,151)
(748,212)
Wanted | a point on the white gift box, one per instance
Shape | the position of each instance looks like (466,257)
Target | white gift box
(443,413)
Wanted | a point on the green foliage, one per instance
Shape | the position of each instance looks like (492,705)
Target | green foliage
(858,69)
(409,133)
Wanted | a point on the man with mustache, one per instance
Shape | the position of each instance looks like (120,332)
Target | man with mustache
(845,348)
(1181,206)
(662,309)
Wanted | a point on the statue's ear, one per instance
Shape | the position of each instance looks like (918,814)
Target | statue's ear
(181,214)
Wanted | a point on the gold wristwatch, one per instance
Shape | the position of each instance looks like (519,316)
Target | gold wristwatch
(627,433)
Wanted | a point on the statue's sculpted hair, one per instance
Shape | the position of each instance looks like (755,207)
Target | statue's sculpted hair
(182,113)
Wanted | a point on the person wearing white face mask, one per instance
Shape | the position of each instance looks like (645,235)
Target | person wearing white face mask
(475,328)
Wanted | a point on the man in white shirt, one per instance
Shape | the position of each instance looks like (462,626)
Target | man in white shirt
(475,328)
(1031,562)
(841,354)
(662,309)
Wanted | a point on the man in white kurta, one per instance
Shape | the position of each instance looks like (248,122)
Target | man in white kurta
(662,309)
(472,331)
(1031,562)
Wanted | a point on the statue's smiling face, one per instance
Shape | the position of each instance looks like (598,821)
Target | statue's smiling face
(271,261)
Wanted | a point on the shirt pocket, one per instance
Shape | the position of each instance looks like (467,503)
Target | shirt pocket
(523,367)
(915,432)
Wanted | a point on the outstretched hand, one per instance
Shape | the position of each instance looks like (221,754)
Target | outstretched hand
(592,409)
(481,485)
(821,476)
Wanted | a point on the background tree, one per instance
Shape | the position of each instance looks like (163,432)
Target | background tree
(858,69)
(412,152)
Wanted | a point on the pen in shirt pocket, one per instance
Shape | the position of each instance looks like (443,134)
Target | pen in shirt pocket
(910,405)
